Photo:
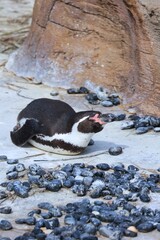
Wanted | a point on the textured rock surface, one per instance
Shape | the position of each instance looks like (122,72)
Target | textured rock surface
(111,43)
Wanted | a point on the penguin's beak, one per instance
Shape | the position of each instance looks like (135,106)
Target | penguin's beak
(97,118)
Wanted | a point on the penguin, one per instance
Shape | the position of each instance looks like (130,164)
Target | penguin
(54,126)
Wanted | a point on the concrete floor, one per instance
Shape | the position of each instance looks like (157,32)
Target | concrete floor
(15,93)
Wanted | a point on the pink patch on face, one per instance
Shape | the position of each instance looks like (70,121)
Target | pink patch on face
(97,119)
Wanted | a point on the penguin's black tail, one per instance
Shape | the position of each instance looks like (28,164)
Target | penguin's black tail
(21,135)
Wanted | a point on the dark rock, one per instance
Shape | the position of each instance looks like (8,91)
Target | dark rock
(108,117)
(129,233)
(88,237)
(141,130)
(40,223)
(146,227)
(93,102)
(35,211)
(132,168)
(10,186)
(54,185)
(46,215)
(96,222)
(54,93)
(83,90)
(73,91)
(90,228)
(28,221)
(12,161)
(103,166)
(96,188)
(156,129)
(41,236)
(67,168)
(120,117)
(61,175)
(79,189)
(26,185)
(5,225)
(106,103)
(144,197)
(20,190)
(56,212)
(11,169)
(128,125)
(113,234)
(3,195)
(54,223)
(69,220)
(158,227)
(12,175)
(35,169)
(115,151)
(69,182)
(4,184)
(20,167)
(91,142)
(116,101)
(91,97)
(128,207)
(45,205)
(33,179)
(87,181)
(153,121)
(107,216)
(52,236)
(5,210)
(3,157)
(134,117)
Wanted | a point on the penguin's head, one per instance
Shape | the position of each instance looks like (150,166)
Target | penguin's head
(90,122)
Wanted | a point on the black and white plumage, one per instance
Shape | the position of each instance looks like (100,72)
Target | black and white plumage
(54,126)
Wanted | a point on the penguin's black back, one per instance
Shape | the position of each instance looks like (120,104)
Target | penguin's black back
(55,115)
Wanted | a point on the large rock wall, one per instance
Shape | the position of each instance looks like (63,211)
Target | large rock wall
(113,43)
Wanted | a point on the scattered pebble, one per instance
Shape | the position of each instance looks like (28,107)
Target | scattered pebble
(5,210)
(141,130)
(106,103)
(81,90)
(28,221)
(146,227)
(127,125)
(156,129)
(20,167)
(91,142)
(54,93)
(3,194)
(5,225)
(3,157)
(12,161)
(115,151)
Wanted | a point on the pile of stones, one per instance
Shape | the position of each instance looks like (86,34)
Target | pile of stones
(142,124)
(115,215)
(100,96)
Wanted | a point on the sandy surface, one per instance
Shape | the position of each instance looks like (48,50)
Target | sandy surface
(16,93)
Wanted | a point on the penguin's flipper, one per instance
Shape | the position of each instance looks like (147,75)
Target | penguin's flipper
(21,134)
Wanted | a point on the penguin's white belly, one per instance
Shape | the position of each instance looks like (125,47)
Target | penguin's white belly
(75,142)
(47,148)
